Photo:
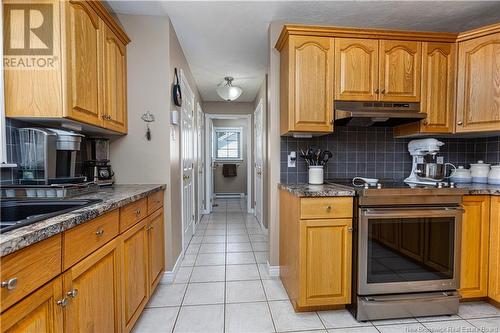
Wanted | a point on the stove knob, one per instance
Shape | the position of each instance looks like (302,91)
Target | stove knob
(379,186)
(452,185)
(367,186)
(440,185)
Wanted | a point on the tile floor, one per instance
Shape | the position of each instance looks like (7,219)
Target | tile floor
(223,286)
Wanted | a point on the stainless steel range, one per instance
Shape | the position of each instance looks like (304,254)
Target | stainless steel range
(406,250)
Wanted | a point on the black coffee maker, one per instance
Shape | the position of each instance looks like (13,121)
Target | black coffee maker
(96,165)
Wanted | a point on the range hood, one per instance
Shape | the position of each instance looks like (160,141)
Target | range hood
(367,114)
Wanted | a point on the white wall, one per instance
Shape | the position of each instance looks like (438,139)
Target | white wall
(134,159)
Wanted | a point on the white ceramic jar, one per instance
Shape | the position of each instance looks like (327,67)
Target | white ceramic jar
(316,174)
(461,175)
(479,172)
(494,175)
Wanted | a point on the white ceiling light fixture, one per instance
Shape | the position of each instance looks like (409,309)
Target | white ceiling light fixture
(227,91)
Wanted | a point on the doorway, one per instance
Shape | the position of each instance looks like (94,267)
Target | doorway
(187,162)
(228,168)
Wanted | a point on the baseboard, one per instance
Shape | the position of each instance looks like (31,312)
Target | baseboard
(169,276)
(229,195)
(274,271)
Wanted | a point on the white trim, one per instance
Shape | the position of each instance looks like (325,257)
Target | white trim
(274,271)
(254,212)
(208,162)
(169,276)
(208,166)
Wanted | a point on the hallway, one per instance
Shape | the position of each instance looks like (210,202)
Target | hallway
(223,285)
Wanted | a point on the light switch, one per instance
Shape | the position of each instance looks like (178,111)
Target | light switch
(292,159)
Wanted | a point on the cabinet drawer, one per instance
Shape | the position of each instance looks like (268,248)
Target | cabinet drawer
(81,241)
(29,269)
(327,208)
(155,201)
(133,213)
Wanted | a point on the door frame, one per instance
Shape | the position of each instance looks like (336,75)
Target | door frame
(261,106)
(209,117)
(185,83)
(200,160)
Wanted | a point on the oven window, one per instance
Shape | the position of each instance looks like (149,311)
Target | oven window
(410,249)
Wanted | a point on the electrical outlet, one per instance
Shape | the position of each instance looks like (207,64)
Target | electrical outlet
(292,159)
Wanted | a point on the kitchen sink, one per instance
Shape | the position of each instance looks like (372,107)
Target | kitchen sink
(19,213)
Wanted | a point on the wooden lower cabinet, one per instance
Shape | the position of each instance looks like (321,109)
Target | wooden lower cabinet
(135,273)
(36,313)
(494,260)
(325,262)
(475,246)
(92,289)
(315,254)
(156,249)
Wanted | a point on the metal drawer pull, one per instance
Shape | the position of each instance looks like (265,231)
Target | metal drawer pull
(149,228)
(10,284)
(137,211)
(99,232)
(62,302)
(72,293)
(329,208)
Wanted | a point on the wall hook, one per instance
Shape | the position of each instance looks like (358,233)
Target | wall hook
(148,117)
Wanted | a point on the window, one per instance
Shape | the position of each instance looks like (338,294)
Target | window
(227,143)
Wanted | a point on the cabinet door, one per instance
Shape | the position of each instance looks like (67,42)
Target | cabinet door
(95,282)
(478,92)
(356,69)
(135,273)
(399,71)
(37,312)
(494,273)
(156,249)
(438,85)
(311,77)
(115,82)
(83,51)
(325,262)
(475,247)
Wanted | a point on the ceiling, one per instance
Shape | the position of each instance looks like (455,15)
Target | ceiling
(221,38)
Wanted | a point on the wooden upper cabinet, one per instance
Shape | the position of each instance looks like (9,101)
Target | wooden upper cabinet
(115,82)
(475,246)
(93,290)
(438,87)
(307,85)
(399,70)
(38,312)
(478,92)
(356,69)
(86,79)
(83,47)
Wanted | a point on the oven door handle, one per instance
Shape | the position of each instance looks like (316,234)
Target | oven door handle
(411,212)
(405,299)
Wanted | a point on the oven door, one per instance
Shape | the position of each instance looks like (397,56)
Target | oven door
(406,250)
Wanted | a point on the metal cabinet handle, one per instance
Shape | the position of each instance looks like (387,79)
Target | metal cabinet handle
(426,122)
(10,284)
(349,229)
(459,123)
(138,211)
(149,228)
(377,91)
(329,208)
(383,91)
(62,302)
(72,293)
(99,232)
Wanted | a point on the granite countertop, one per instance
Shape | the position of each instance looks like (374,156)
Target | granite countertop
(112,198)
(481,189)
(325,190)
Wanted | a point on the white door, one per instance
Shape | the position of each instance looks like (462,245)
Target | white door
(201,179)
(208,164)
(187,158)
(258,166)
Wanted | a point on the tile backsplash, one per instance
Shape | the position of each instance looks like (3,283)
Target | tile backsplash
(374,152)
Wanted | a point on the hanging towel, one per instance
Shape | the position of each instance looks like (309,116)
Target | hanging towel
(229,170)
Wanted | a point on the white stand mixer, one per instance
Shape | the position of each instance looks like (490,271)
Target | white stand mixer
(423,171)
